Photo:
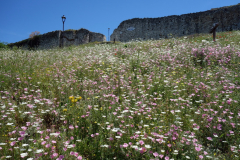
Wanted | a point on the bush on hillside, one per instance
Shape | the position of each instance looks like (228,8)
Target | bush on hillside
(3,45)
(33,34)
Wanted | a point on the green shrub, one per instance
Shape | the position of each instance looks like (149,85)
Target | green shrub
(3,45)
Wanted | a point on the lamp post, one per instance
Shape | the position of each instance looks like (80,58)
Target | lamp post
(108,33)
(63,20)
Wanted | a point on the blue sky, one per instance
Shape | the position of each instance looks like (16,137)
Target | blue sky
(21,17)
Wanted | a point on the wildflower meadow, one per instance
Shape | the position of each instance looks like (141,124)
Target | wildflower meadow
(167,99)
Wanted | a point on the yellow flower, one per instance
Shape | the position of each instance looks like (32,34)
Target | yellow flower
(75,100)
(79,98)
(65,110)
(71,97)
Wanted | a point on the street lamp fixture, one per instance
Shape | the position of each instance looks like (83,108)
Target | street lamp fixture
(63,20)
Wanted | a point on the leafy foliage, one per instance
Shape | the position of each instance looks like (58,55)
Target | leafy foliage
(3,45)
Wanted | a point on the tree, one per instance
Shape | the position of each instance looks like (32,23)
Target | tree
(33,34)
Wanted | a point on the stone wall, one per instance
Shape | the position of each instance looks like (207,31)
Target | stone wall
(49,40)
(80,37)
(186,24)
(58,38)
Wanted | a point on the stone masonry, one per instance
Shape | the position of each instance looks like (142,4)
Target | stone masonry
(186,24)
(57,38)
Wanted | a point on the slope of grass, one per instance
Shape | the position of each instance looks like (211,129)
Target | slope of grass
(166,99)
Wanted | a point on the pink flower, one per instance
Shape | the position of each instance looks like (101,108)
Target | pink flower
(209,138)
(125,145)
(141,142)
(13,143)
(161,156)
(61,156)
(43,143)
(20,138)
(200,156)
(142,150)
(198,149)
(229,101)
(89,107)
(71,127)
(30,106)
(22,133)
(79,157)
(166,158)
(24,128)
(55,154)
(54,142)
(155,154)
(76,154)
(47,146)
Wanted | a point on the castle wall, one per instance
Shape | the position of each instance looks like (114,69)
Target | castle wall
(57,38)
(49,40)
(186,24)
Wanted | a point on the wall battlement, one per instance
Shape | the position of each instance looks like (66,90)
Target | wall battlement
(57,38)
(186,24)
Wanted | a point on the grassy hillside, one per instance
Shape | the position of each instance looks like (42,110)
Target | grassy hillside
(173,98)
